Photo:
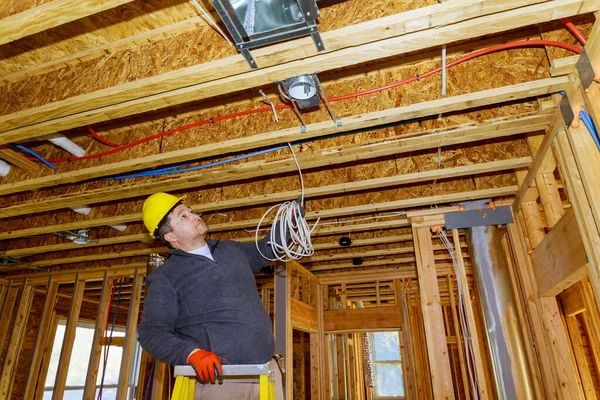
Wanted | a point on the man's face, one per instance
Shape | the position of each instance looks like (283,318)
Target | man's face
(187,227)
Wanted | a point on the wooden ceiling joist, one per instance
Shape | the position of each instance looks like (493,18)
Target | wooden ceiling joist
(50,15)
(339,189)
(410,31)
(321,129)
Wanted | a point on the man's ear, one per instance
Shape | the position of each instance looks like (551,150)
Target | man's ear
(171,238)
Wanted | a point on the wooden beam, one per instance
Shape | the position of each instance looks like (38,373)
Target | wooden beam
(44,326)
(89,392)
(125,100)
(348,40)
(130,336)
(122,193)
(560,261)
(93,257)
(11,358)
(443,137)
(378,207)
(50,15)
(304,316)
(18,160)
(543,163)
(435,335)
(365,254)
(363,319)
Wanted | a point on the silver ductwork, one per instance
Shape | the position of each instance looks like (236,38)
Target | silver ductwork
(512,376)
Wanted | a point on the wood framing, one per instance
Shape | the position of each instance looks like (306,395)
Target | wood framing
(98,340)
(363,319)
(68,340)
(15,342)
(441,376)
(50,15)
(40,339)
(559,261)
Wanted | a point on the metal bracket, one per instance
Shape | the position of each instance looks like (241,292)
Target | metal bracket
(585,70)
(566,110)
(338,122)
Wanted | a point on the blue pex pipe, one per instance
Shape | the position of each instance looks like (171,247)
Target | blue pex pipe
(36,155)
(589,123)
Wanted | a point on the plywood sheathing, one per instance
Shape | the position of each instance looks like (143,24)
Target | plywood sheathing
(503,69)
(187,49)
(424,161)
(86,33)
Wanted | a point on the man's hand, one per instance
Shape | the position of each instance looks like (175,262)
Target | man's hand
(206,364)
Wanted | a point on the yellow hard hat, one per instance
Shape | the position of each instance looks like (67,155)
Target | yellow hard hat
(156,207)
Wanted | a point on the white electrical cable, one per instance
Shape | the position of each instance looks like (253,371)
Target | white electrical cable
(462,318)
(290,233)
(211,21)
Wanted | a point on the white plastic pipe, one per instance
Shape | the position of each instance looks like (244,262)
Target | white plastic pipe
(68,145)
(120,228)
(4,168)
(84,210)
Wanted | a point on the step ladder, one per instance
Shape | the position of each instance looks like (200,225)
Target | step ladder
(185,379)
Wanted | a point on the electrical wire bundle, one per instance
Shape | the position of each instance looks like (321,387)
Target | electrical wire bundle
(290,233)
(461,308)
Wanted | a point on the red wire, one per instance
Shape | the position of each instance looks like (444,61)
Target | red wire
(100,138)
(506,46)
(574,31)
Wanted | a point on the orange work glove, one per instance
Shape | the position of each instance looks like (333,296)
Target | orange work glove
(206,364)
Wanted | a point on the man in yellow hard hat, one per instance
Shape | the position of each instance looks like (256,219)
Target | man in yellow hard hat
(202,305)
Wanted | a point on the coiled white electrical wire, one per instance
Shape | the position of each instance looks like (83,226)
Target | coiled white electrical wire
(290,233)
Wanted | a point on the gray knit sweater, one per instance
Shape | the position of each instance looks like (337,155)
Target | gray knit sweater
(194,302)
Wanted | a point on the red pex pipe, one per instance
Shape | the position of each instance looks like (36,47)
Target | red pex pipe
(506,46)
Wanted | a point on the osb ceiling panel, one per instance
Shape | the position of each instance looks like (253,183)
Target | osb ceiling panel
(234,193)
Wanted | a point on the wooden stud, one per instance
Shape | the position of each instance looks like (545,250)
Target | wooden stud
(40,340)
(475,340)
(68,340)
(7,311)
(459,340)
(48,345)
(441,376)
(16,340)
(98,340)
(130,337)
(581,359)
(566,375)
(158,381)
(121,193)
